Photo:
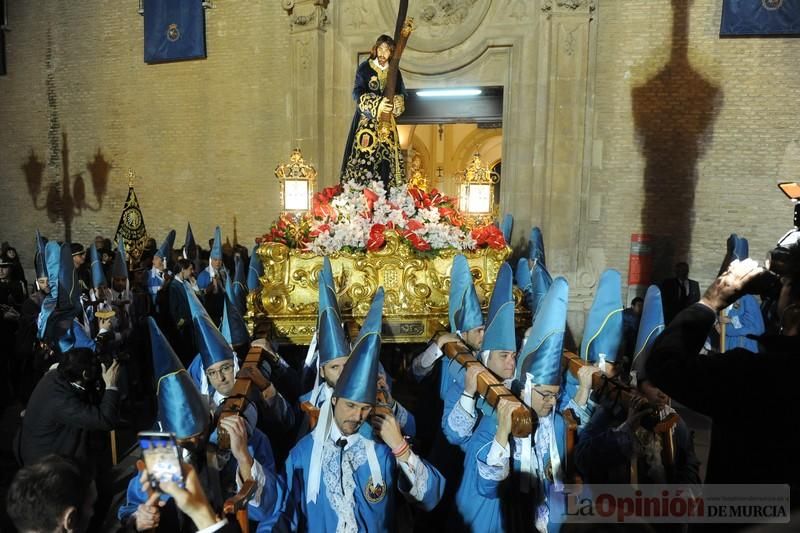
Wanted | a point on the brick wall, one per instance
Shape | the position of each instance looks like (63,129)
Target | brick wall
(204,136)
(695,130)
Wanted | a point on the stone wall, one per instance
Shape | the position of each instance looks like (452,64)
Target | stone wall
(691,133)
(203,136)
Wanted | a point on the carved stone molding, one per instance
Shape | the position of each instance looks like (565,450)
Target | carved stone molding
(306,15)
(568,6)
(439,24)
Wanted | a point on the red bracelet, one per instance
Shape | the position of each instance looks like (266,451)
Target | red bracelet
(400,450)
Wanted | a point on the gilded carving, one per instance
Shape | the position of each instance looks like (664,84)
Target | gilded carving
(416,289)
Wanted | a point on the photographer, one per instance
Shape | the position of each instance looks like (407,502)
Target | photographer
(749,396)
(64,407)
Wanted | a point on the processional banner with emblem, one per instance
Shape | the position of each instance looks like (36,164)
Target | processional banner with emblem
(174,30)
(131,227)
(760,17)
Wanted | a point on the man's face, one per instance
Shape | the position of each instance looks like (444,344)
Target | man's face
(119,284)
(5,272)
(350,415)
(221,377)
(383,54)
(216,263)
(186,273)
(105,257)
(331,370)
(502,363)
(158,262)
(474,337)
(44,285)
(544,398)
(78,259)
(637,308)
(98,242)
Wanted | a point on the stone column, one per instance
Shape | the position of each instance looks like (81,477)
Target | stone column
(568,50)
(308,20)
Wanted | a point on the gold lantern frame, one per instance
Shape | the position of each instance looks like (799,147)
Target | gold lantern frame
(297,170)
(480,174)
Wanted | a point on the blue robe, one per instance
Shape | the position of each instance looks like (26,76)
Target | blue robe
(154,283)
(490,499)
(374,507)
(272,494)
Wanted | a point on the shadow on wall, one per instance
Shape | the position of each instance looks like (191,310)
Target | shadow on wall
(674,113)
(64,201)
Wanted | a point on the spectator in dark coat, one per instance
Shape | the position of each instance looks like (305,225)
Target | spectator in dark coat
(67,404)
(679,292)
(748,396)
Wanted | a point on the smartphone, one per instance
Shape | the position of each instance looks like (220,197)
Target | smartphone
(162,457)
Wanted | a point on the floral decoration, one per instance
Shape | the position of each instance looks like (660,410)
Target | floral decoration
(355,217)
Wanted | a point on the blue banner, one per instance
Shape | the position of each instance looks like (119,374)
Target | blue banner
(174,30)
(760,17)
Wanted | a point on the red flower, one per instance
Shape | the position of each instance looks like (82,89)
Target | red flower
(489,235)
(414,225)
(376,238)
(417,242)
(371,197)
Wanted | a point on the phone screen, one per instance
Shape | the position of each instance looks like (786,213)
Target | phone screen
(161,458)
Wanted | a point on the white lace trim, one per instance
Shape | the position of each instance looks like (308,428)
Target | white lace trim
(460,421)
(419,485)
(493,473)
(340,481)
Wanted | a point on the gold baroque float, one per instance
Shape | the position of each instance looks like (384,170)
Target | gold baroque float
(416,289)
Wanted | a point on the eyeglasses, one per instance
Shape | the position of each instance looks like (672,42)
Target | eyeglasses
(224,369)
(546,396)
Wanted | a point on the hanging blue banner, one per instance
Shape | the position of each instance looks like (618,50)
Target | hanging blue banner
(174,30)
(760,17)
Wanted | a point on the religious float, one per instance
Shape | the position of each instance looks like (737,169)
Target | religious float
(403,240)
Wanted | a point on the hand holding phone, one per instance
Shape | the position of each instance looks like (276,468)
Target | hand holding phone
(162,458)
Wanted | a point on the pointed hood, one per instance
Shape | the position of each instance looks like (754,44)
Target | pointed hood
(500,332)
(331,340)
(255,271)
(75,338)
(98,276)
(464,306)
(536,246)
(165,250)
(212,345)
(650,327)
(120,268)
(326,278)
(540,284)
(181,409)
(358,380)
(196,307)
(522,277)
(541,355)
(240,286)
(233,326)
(738,247)
(69,295)
(39,258)
(216,249)
(189,246)
(603,331)
(47,314)
(507,226)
